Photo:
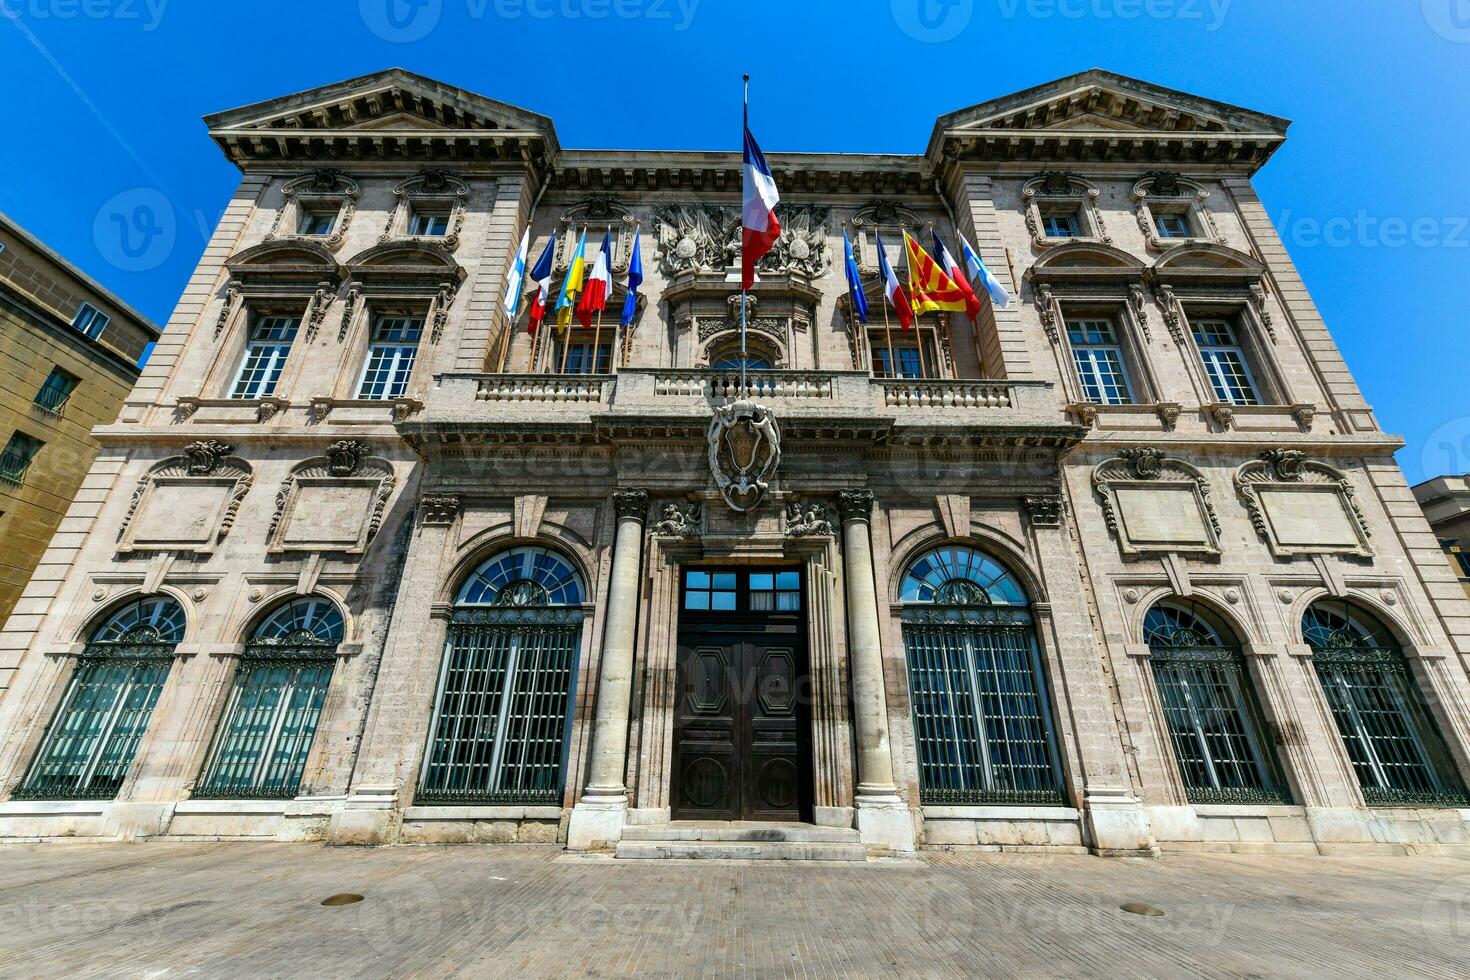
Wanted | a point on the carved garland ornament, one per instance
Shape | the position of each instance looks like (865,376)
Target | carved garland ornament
(1143,466)
(431,186)
(1167,186)
(208,459)
(1056,187)
(321,187)
(347,459)
(744,452)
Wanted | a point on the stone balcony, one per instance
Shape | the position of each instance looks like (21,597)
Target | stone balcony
(674,401)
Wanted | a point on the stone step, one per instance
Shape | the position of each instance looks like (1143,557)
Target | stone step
(740,831)
(716,850)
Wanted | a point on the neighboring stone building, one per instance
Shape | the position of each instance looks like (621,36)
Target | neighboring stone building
(1446,504)
(1131,567)
(69,353)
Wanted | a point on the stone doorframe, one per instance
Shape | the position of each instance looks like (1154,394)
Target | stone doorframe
(651,732)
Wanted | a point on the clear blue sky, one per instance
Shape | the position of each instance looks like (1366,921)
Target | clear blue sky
(1370,190)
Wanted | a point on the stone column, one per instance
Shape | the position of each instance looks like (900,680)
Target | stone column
(883,820)
(597,819)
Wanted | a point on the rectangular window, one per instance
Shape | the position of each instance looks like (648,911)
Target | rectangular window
(1225,362)
(391,352)
(17,457)
(580,360)
(55,390)
(1061,224)
(1459,558)
(429,223)
(1172,225)
(775,591)
(90,321)
(1099,360)
(709,592)
(907,356)
(317,221)
(265,355)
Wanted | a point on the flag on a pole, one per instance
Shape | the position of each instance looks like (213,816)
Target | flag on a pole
(572,284)
(957,275)
(541,276)
(998,294)
(599,283)
(892,289)
(759,227)
(929,287)
(517,276)
(855,293)
(635,279)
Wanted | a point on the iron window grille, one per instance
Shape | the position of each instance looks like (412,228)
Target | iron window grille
(1215,726)
(498,734)
(1396,752)
(275,704)
(16,459)
(89,746)
(391,355)
(54,391)
(982,718)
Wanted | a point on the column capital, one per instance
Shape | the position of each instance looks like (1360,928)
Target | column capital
(855,505)
(630,503)
(1044,510)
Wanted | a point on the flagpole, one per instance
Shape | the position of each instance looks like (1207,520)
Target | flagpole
(616,356)
(744,127)
(566,344)
(597,336)
(892,371)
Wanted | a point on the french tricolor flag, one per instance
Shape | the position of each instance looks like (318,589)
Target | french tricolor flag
(759,227)
(897,298)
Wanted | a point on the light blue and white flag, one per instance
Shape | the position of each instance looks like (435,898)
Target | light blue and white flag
(517,276)
(976,265)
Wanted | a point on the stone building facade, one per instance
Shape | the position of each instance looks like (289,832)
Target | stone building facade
(1126,565)
(70,356)
(1446,504)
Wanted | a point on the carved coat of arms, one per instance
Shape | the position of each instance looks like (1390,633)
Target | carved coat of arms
(744,451)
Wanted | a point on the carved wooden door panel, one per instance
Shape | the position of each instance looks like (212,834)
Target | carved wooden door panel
(706,780)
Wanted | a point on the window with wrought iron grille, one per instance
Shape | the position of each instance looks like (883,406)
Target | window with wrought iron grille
(1225,362)
(276,701)
(1099,359)
(1396,751)
(90,743)
(16,458)
(391,352)
(1215,726)
(55,390)
(982,718)
(499,728)
(265,355)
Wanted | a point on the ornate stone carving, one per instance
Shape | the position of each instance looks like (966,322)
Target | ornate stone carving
(1057,186)
(807,520)
(267,409)
(1302,506)
(349,307)
(344,469)
(1050,311)
(877,214)
(1263,313)
(1168,186)
(744,452)
(630,503)
(431,185)
(204,456)
(438,508)
(343,457)
(680,520)
(598,209)
(1145,462)
(1304,415)
(317,309)
(321,187)
(1173,312)
(1169,415)
(442,300)
(232,296)
(695,237)
(1224,417)
(855,505)
(1138,302)
(802,247)
(1044,510)
(1153,503)
(207,463)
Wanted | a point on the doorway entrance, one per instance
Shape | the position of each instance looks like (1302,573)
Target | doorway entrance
(742,718)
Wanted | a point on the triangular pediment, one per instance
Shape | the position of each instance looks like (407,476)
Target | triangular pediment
(1098,100)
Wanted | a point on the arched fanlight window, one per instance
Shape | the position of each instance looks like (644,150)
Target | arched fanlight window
(982,720)
(91,741)
(1397,754)
(275,704)
(1215,726)
(499,728)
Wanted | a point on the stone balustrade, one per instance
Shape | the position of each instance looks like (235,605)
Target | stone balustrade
(542,388)
(946,394)
(721,386)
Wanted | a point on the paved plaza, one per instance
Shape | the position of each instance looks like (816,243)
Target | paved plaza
(231,909)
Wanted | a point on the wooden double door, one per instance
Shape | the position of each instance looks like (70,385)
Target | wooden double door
(742,719)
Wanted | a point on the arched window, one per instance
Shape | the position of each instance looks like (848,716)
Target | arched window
(1397,754)
(1214,723)
(268,725)
(90,743)
(982,721)
(499,729)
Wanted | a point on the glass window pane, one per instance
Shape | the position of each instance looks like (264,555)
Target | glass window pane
(788,580)
(696,580)
(696,600)
(762,581)
(724,580)
(723,601)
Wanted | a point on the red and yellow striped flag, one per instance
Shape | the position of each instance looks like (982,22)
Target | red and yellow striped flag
(929,287)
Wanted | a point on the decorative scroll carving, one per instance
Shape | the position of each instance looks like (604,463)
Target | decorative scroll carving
(349,307)
(203,519)
(1224,417)
(877,214)
(1302,506)
(808,520)
(1165,186)
(1057,187)
(334,486)
(744,452)
(1045,510)
(431,185)
(438,508)
(1173,312)
(317,309)
(1304,415)
(773,326)
(1153,503)
(1258,306)
(321,187)
(1138,302)
(1051,312)
(598,209)
(695,237)
(1169,414)
(343,457)
(232,296)
(680,520)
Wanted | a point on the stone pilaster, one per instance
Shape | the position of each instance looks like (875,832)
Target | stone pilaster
(597,819)
(883,821)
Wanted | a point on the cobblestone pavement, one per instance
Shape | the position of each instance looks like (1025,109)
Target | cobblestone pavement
(230,909)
